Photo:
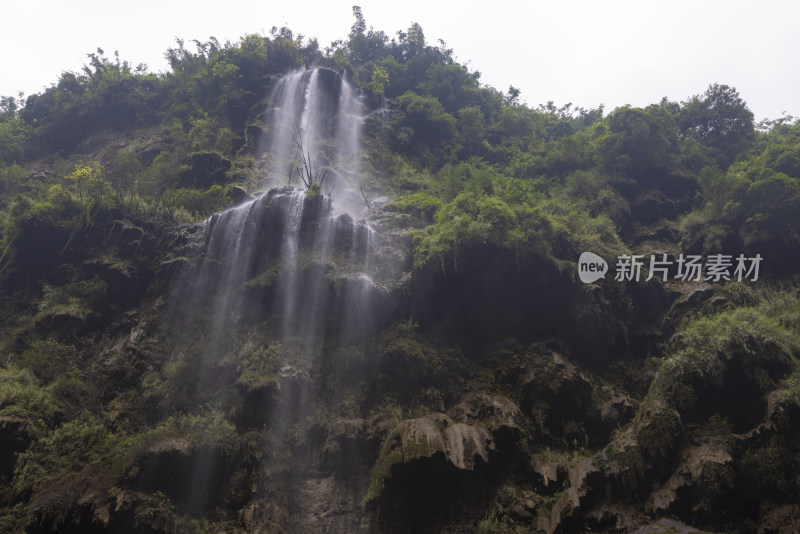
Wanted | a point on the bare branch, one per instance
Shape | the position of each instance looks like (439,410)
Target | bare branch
(364,196)
(310,174)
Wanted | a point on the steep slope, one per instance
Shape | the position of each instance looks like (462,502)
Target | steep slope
(398,340)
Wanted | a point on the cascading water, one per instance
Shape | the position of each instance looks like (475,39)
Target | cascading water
(322,113)
(296,266)
(279,250)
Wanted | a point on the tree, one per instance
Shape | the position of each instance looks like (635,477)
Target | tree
(89,182)
(639,142)
(453,85)
(471,126)
(124,171)
(427,117)
(380,78)
(720,120)
(412,43)
(13,138)
(360,25)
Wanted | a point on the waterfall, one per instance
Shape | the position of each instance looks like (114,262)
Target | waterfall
(276,255)
(322,112)
(292,238)
(288,284)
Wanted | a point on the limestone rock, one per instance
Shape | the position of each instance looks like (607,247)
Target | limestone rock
(493,411)
(436,432)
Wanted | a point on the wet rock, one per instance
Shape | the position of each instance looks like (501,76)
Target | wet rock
(618,409)
(148,155)
(783,413)
(491,293)
(192,476)
(347,443)
(687,296)
(624,466)
(431,471)
(42,176)
(423,437)
(550,470)
(491,411)
(330,82)
(598,327)
(583,481)
(558,396)
(255,137)
(696,479)
(268,392)
(659,238)
(435,436)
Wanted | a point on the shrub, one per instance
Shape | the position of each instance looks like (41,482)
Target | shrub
(22,395)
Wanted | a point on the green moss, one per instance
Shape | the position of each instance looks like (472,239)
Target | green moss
(791,387)
(388,410)
(658,431)
(200,203)
(770,469)
(624,455)
(85,451)
(720,430)
(380,472)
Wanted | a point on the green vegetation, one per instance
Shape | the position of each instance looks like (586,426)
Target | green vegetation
(102,409)
(712,349)
(547,164)
(22,395)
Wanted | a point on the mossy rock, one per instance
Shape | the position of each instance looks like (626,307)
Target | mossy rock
(461,445)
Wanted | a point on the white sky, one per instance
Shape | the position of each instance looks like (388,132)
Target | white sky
(587,52)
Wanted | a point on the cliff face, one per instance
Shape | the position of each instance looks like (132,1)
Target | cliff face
(504,394)
(191,345)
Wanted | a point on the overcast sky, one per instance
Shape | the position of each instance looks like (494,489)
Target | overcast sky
(588,52)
